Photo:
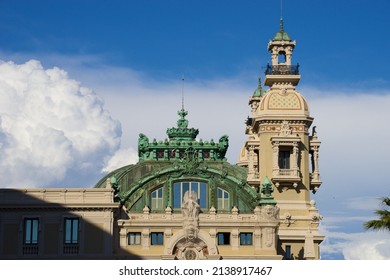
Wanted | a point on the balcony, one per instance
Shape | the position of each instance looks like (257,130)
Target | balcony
(282,73)
(315,181)
(30,249)
(71,249)
(285,176)
(282,69)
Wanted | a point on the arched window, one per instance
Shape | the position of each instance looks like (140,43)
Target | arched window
(282,57)
(223,199)
(180,188)
(156,201)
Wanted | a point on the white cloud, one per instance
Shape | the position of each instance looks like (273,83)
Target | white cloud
(121,158)
(356,246)
(50,127)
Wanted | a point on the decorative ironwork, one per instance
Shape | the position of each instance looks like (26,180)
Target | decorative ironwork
(71,249)
(282,69)
(30,249)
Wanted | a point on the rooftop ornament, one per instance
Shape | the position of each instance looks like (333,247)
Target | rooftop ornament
(181,140)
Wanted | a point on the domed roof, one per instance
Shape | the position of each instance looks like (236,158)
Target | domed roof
(284,102)
(131,183)
(281,35)
(259,91)
(170,167)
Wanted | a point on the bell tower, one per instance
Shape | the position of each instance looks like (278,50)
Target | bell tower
(281,147)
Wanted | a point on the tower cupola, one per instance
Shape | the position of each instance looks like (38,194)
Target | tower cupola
(281,69)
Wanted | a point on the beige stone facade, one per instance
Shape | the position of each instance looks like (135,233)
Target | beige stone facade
(182,200)
(49,209)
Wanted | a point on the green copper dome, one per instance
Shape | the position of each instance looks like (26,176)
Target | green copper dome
(281,35)
(259,91)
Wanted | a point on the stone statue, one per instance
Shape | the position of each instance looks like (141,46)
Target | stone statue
(190,206)
(223,146)
(143,144)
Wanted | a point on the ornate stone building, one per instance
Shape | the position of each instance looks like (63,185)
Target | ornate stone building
(183,200)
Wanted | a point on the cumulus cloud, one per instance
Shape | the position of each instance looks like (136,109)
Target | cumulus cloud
(356,246)
(50,127)
(121,158)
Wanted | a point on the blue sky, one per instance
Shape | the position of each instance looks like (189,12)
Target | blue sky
(115,67)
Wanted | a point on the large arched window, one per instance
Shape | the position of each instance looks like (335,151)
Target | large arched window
(156,199)
(180,188)
(223,199)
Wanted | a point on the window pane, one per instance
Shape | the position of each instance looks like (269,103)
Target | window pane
(75,231)
(203,196)
(157,199)
(176,195)
(160,238)
(220,239)
(246,238)
(134,238)
(71,230)
(242,239)
(249,239)
(180,188)
(226,204)
(137,238)
(68,230)
(185,188)
(223,199)
(284,159)
(157,238)
(34,234)
(288,252)
(27,233)
(223,238)
(219,193)
(131,238)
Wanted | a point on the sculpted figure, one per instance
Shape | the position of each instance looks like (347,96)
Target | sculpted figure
(223,146)
(143,144)
(190,206)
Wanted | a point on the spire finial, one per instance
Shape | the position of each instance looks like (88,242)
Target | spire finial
(281,25)
(281,15)
(182,92)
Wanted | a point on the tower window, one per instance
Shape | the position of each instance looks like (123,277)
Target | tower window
(223,238)
(284,159)
(223,199)
(157,199)
(180,188)
(282,57)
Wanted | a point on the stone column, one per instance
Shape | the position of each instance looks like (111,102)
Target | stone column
(316,172)
(295,158)
(251,169)
(275,156)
